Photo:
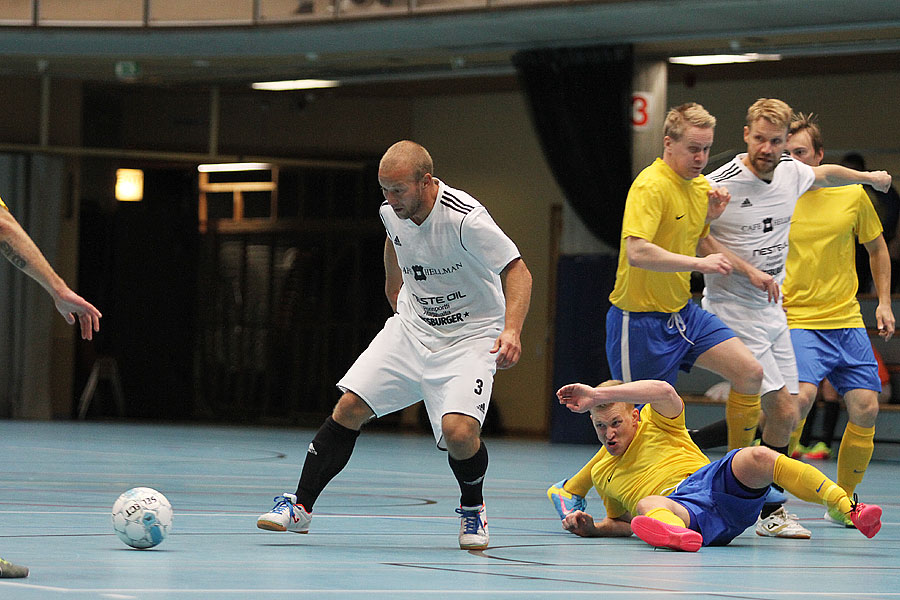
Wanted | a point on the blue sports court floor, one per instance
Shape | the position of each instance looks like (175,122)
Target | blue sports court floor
(384,528)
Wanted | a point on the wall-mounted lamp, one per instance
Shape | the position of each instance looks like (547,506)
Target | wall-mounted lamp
(129,185)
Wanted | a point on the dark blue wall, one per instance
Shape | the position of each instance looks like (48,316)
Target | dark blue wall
(582,299)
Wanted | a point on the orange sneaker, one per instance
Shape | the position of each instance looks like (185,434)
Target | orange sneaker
(866,517)
(662,535)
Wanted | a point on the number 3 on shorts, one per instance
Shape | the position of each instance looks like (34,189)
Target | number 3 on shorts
(479,384)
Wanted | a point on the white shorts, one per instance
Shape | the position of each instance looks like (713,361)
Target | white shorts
(765,332)
(396,371)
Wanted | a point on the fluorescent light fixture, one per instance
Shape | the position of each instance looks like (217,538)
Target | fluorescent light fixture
(129,185)
(722,59)
(295,84)
(225,167)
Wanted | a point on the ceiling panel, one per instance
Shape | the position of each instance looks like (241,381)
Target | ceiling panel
(451,44)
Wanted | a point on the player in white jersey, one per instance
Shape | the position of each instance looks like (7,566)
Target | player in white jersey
(765,185)
(445,297)
(460,291)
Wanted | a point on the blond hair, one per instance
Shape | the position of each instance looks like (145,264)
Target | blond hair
(687,115)
(410,155)
(807,123)
(775,111)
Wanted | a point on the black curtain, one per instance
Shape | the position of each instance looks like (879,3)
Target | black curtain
(580,102)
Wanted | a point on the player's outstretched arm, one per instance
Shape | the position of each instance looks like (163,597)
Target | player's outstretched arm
(517,290)
(21,251)
(660,395)
(836,175)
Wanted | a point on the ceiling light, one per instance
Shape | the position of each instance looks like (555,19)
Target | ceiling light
(226,167)
(295,84)
(722,59)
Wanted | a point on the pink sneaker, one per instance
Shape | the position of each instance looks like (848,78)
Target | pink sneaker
(662,535)
(866,517)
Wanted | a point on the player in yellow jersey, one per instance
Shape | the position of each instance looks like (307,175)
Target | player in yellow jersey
(653,329)
(21,251)
(827,329)
(656,483)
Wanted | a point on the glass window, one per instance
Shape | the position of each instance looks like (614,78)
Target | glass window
(91,12)
(295,10)
(16,12)
(439,5)
(371,8)
(179,12)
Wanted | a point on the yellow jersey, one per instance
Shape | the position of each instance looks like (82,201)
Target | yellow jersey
(659,457)
(2,204)
(667,210)
(820,283)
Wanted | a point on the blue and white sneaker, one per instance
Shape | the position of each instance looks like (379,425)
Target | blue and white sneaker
(473,528)
(565,502)
(286,515)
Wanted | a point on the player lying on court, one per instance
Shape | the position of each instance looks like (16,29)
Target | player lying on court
(657,484)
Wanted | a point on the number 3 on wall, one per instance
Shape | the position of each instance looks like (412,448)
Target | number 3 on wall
(640,109)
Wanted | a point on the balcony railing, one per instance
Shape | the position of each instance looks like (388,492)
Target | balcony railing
(218,13)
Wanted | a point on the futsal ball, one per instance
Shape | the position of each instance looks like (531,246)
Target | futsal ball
(141,517)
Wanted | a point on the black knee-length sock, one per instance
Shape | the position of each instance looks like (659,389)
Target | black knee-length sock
(326,457)
(711,436)
(470,475)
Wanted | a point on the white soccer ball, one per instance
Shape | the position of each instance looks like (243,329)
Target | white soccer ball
(142,517)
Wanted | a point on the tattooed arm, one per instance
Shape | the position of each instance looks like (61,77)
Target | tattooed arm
(21,251)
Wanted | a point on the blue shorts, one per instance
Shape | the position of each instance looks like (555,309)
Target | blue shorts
(844,356)
(720,507)
(653,346)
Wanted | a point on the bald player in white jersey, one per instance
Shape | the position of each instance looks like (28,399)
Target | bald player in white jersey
(460,290)
(765,185)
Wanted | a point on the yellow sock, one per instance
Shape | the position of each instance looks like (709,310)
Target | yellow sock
(809,484)
(742,417)
(795,437)
(580,483)
(666,516)
(857,446)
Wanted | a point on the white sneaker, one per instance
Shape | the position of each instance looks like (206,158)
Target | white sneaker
(781,524)
(473,529)
(286,515)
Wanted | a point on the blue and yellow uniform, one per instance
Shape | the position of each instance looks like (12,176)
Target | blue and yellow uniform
(823,313)
(827,329)
(663,460)
(652,328)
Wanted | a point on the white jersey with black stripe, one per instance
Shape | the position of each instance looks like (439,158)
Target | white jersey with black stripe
(755,224)
(451,267)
